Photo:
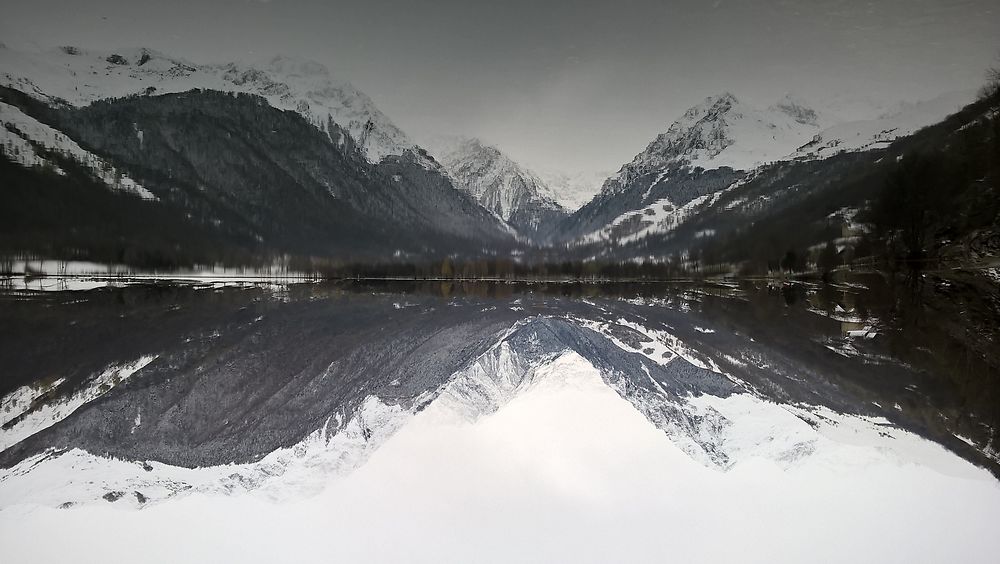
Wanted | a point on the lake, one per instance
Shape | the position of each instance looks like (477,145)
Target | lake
(486,421)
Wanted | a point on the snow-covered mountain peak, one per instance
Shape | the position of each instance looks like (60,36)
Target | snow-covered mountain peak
(723,131)
(79,76)
(711,106)
(514,193)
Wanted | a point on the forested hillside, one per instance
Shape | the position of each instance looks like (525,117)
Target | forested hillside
(930,196)
(247,178)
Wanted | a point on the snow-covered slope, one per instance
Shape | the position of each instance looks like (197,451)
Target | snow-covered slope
(24,412)
(79,477)
(723,131)
(879,133)
(659,216)
(78,76)
(701,153)
(501,185)
(26,141)
(662,187)
(573,189)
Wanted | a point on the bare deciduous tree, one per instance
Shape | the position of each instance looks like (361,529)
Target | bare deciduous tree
(991,89)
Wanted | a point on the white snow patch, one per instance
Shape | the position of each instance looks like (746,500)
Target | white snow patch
(28,419)
(879,133)
(662,216)
(19,133)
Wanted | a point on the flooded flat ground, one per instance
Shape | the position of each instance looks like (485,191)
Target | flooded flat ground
(420,421)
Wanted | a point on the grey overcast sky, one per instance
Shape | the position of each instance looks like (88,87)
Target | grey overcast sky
(562,85)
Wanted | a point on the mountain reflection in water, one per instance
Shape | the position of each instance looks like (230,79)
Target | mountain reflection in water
(162,397)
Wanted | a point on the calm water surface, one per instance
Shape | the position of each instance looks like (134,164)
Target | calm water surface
(415,421)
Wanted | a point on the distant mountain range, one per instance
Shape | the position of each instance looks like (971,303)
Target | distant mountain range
(573,189)
(134,155)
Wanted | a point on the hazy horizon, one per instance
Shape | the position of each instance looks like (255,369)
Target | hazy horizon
(575,87)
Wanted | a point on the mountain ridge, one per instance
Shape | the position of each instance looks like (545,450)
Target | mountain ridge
(77,77)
